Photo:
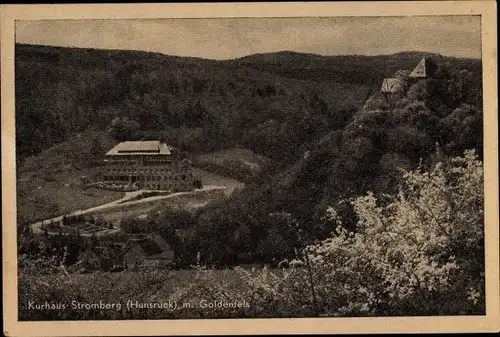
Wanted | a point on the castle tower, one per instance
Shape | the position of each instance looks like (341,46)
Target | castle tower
(424,69)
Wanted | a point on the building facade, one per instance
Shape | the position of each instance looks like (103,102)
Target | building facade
(153,165)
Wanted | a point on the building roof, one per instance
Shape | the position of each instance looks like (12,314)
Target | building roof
(391,85)
(142,147)
(150,245)
(134,247)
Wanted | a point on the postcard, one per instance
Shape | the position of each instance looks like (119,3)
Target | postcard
(249,168)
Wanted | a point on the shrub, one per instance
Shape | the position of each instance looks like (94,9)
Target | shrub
(419,253)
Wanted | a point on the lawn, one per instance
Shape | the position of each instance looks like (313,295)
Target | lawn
(49,184)
(240,164)
(39,198)
(236,154)
(210,178)
(138,210)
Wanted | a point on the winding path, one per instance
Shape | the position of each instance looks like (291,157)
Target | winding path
(127,200)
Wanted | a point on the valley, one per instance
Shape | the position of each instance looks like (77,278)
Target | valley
(313,171)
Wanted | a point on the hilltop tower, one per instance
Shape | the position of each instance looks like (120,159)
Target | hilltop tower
(398,85)
(424,69)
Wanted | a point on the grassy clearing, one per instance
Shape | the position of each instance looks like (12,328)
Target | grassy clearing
(237,163)
(40,199)
(209,178)
(79,151)
(236,154)
(49,184)
(135,210)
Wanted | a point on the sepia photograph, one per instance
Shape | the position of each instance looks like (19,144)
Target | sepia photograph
(249,167)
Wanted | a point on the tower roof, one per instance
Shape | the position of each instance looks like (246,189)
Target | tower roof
(425,68)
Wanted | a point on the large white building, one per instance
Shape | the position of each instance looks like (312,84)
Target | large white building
(149,165)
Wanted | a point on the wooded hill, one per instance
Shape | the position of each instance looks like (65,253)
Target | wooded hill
(197,104)
(320,119)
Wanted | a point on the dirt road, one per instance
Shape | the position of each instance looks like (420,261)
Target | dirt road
(126,201)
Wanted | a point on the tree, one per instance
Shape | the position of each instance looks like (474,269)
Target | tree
(410,141)
(96,148)
(419,253)
(281,239)
(94,241)
(463,128)
(124,129)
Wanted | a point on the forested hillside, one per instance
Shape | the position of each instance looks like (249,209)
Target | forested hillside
(384,191)
(345,69)
(271,103)
(321,120)
(198,105)
(433,120)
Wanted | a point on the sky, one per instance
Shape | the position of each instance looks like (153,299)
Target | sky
(227,38)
